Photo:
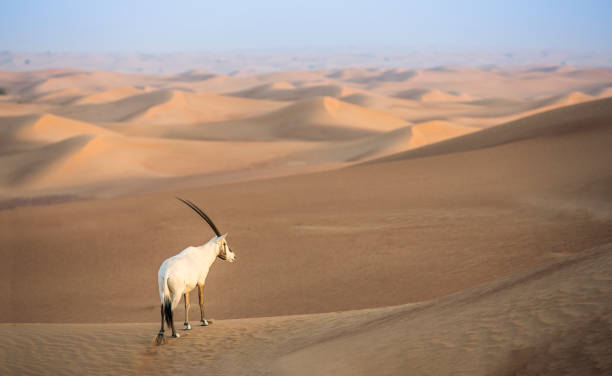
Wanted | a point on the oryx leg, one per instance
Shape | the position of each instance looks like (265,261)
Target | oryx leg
(159,339)
(175,300)
(186,297)
(161,330)
(201,298)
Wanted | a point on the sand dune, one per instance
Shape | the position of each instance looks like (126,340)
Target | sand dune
(344,152)
(284,91)
(83,160)
(469,114)
(435,131)
(52,81)
(580,117)
(354,74)
(110,95)
(14,109)
(240,82)
(374,77)
(326,111)
(60,97)
(42,128)
(432,95)
(169,106)
(605,93)
(377,146)
(195,75)
(317,119)
(183,107)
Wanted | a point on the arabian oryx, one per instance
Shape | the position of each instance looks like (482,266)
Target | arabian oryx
(181,273)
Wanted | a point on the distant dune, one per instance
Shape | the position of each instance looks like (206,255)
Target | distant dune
(580,117)
(110,95)
(317,119)
(168,106)
(433,95)
(376,146)
(284,91)
(46,128)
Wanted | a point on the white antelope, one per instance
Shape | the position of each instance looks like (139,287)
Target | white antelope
(181,273)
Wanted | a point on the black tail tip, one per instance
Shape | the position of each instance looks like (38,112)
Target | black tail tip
(168,311)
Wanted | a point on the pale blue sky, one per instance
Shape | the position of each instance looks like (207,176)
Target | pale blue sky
(174,26)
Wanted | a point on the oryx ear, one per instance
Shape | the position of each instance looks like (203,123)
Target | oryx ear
(220,238)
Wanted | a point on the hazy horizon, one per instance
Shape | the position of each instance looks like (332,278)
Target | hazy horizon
(188,26)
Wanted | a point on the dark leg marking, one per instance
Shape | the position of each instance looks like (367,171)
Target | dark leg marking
(201,299)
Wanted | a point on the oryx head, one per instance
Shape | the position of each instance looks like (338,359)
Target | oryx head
(224,252)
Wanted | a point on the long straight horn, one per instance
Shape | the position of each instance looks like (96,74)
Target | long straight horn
(201,213)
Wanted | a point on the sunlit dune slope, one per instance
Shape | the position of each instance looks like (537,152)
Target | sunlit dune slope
(435,131)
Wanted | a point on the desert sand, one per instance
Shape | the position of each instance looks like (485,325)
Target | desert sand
(550,320)
(444,221)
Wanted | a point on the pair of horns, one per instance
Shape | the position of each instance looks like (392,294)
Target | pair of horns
(201,213)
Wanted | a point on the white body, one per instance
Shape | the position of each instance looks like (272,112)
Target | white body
(181,273)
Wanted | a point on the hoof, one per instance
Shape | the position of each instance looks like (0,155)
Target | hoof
(159,340)
(187,326)
(204,323)
(176,335)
